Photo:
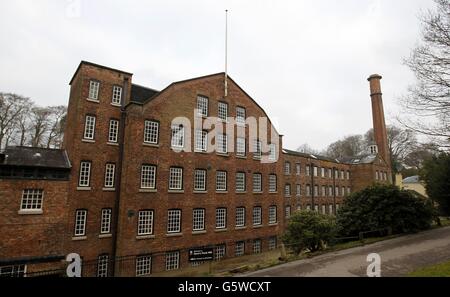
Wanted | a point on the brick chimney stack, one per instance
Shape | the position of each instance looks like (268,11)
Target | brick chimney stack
(379,124)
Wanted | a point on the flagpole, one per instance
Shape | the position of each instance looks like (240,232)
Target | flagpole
(226,52)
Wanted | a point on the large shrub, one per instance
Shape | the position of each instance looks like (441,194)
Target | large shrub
(308,230)
(381,206)
(436,174)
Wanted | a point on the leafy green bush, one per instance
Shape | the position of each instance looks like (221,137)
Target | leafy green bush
(308,230)
(436,174)
(381,207)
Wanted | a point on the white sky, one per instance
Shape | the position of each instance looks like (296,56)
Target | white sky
(305,62)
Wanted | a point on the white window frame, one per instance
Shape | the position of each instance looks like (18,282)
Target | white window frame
(240,182)
(257,149)
(257,246)
(257,216)
(298,188)
(200,176)
(298,168)
(113,134)
(222,111)
(178,134)
(151,132)
(148,176)
(145,222)
(241,146)
(308,190)
(287,212)
(220,252)
(239,249)
(105,224)
(102,265)
(240,115)
(89,127)
(175,179)
(273,183)
(221,181)
(222,143)
(110,171)
(221,218)
(240,217)
(272,152)
(202,105)
(13,270)
(32,199)
(257,183)
(198,219)
(117,95)
(173,221)
(287,190)
(143,265)
(273,218)
(287,168)
(84,179)
(80,222)
(94,89)
(172,260)
(272,243)
(201,140)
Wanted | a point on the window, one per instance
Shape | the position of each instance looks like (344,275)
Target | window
(102,265)
(148,177)
(221,218)
(200,180)
(151,132)
(272,152)
(322,172)
(330,173)
(223,111)
(298,168)
(336,191)
(176,178)
(172,260)
(143,265)
(308,170)
(173,221)
(288,212)
(202,106)
(256,246)
(324,191)
(219,252)
(287,190)
(330,209)
(343,191)
(13,271)
(330,191)
(145,222)
(316,208)
(272,183)
(177,136)
(117,95)
(105,225)
(272,243)
(80,222)
(109,175)
(85,174)
(257,216)
(257,182)
(240,146)
(113,131)
(273,214)
(287,168)
(239,249)
(299,190)
(308,189)
(257,149)
(377,177)
(201,140)
(324,209)
(315,171)
(337,207)
(94,87)
(316,190)
(308,207)
(240,181)
(198,219)
(240,216)
(89,127)
(222,143)
(336,174)
(342,174)
(221,181)
(32,199)
(348,174)
(240,115)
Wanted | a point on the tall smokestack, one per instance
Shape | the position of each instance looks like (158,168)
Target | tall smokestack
(379,125)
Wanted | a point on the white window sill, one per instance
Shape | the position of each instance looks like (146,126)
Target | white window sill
(241,157)
(177,149)
(257,158)
(144,237)
(88,140)
(199,232)
(109,235)
(257,226)
(112,143)
(258,192)
(93,100)
(30,212)
(273,192)
(221,230)
(174,234)
(116,104)
(109,189)
(176,191)
(150,144)
(84,188)
(273,224)
(200,152)
(200,192)
(243,192)
(79,238)
(221,192)
(148,190)
(223,154)
(240,228)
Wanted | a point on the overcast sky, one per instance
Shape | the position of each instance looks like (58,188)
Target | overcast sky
(305,62)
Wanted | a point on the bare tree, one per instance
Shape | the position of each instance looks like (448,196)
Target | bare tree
(352,145)
(56,126)
(429,98)
(40,125)
(12,106)
(307,149)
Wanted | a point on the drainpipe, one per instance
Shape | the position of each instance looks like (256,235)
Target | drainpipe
(311,171)
(118,178)
(334,190)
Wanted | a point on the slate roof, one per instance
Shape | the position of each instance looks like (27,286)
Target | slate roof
(140,94)
(411,180)
(362,159)
(312,156)
(34,157)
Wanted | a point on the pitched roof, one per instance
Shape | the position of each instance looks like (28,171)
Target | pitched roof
(313,156)
(361,159)
(34,157)
(411,179)
(140,94)
(96,65)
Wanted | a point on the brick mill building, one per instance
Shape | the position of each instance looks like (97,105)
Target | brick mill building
(136,184)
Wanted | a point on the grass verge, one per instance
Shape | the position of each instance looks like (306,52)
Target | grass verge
(438,270)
